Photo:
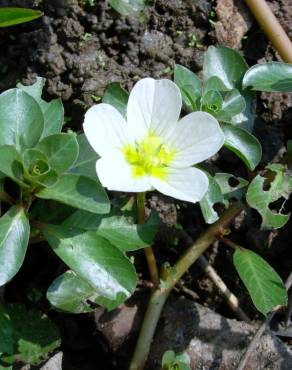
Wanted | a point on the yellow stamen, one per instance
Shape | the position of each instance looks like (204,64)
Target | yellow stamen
(150,156)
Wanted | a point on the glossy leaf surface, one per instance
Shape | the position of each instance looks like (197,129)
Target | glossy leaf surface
(106,269)
(264,285)
(273,76)
(243,144)
(21,119)
(14,235)
(78,191)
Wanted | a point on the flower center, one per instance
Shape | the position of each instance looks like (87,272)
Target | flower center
(151,156)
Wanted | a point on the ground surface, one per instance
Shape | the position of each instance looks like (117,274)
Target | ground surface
(80,49)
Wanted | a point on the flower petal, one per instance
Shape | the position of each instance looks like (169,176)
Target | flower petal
(153,105)
(105,128)
(189,184)
(197,137)
(115,174)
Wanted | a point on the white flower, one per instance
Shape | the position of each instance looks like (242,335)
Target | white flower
(153,148)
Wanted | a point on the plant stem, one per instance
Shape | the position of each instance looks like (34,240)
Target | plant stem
(230,243)
(150,257)
(168,280)
(272,28)
(4,197)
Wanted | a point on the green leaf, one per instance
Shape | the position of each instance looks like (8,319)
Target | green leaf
(53,111)
(86,161)
(189,85)
(246,118)
(225,64)
(175,361)
(127,236)
(260,199)
(264,285)
(13,16)
(78,191)
(167,359)
(231,186)
(116,96)
(128,7)
(61,150)
(233,104)
(14,235)
(212,102)
(11,164)
(214,83)
(21,120)
(243,144)
(37,170)
(222,188)
(70,293)
(273,76)
(213,196)
(118,229)
(106,269)
(30,334)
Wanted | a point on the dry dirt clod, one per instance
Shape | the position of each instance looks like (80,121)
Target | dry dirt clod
(234,20)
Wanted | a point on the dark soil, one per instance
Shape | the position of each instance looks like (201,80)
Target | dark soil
(81,49)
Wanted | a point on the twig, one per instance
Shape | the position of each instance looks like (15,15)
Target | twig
(272,28)
(169,279)
(260,331)
(150,257)
(186,291)
(231,299)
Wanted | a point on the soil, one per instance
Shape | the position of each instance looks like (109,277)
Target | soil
(80,49)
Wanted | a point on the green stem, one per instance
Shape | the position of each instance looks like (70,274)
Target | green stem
(168,281)
(150,257)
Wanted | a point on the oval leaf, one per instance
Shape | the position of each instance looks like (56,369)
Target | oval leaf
(60,149)
(78,191)
(14,235)
(243,144)
(273,76)
(71,294)
(189,85)
(119,230)
(21,119)
(225,64)
(13,16)
(264,285)
(53,111)
(106,269)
